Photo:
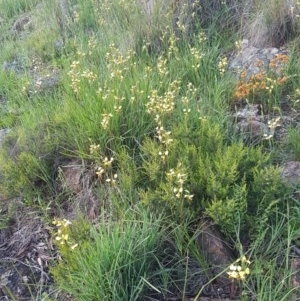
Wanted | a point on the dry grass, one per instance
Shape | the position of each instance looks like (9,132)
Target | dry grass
(269,22)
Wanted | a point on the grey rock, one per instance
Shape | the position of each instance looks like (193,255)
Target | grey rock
(15,65)
(249,112)
(42,84)
(291,172)
(217,253)
(3,134)
(252,131)
(248,56)
(21,23)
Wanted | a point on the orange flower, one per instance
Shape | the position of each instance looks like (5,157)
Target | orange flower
(243,74)
(281,80)
(263,86)
(272,64)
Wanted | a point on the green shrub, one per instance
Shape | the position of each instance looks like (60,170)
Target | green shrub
(230,182)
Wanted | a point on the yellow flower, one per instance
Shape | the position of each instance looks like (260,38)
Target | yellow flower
(242,275)
(233,274)
(239,272)
(245,260)
(65,236)
(66,222)
(74,246)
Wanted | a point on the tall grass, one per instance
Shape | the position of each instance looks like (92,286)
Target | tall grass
(272,265)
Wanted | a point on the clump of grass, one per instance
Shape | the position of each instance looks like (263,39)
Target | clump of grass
(113,261)
(270,23)
(271,253)
(294,142)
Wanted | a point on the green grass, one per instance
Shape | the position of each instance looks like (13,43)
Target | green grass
(116,259)
(149,116)
(272,261)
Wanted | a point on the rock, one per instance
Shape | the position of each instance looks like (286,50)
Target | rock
(291,172)
(72,174)
(248,57)
(15,65)
(59,46)
(249,112)
(252,131)
(295,265)
(16,279)
(217,253)
(42,84)
(21,23)
(63,16)
(3,133)
(47,82)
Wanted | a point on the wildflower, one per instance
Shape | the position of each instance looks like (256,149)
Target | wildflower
(188,196)
(117,108)
(197,56)
(94,148)
(186,111)
(222,65)
(163,155)
(105,120)
(62,233)
(74,246)
(244,259)
(163,135)
(171,173)
(107,162)
(239,272)
(100,171)
(267,137)
(272,124)
(89,75)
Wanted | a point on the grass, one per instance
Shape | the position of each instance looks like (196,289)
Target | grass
(147,111)
(272,265)
(116,259)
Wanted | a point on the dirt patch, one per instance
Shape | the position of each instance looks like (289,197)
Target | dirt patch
(26,250)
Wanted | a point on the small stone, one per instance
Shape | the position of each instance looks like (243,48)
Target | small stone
(3,133)
(20,23)
(291,172)
(72,174)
